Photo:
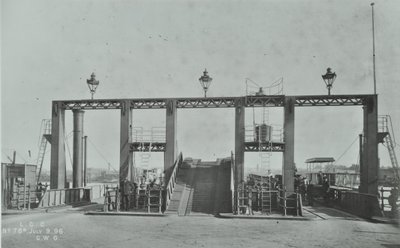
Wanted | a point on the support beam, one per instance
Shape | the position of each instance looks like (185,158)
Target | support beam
(170,154)
(239,140)
(288,138)
(125,157)
(370,163)
(58,163)
(218,102)
(77,152)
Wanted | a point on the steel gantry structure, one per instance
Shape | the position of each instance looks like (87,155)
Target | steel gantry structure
(369,161)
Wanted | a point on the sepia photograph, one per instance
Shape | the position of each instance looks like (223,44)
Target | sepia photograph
(200,123)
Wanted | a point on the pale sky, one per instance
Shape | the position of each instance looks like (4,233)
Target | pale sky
(151,49)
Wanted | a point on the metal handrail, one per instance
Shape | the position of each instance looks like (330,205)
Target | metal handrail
(172,180)
(385,199)
(285,199)
(153,135)
(108,198)
(276,135)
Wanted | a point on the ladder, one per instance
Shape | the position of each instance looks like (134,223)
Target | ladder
(45,129)
(242,200)
(266,196)
(265,157)
(141,136)
(387,128)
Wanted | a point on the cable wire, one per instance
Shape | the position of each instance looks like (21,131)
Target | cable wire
(101,155)
(348,148)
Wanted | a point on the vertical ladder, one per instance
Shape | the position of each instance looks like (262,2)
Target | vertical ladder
(266,196)
(265,157)
(45,130)
(242,199)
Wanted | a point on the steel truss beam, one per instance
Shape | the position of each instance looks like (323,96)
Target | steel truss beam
(209,102)
(264,147)
(264,101)
(145,146)
(332,100)
(218,102)
(92,104)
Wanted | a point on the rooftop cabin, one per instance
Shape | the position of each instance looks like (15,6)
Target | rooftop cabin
(319,167)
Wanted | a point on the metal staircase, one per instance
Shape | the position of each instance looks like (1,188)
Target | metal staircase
(386,129)
(45,136)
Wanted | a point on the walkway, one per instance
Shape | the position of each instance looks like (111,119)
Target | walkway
(70,228)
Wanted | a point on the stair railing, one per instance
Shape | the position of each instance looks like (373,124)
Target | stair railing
(172,180)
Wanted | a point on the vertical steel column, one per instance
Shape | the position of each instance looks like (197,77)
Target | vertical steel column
(85,161)
(170,137)
(360,140)
(370,163)
(239,141)
(288,137)
(58,163)
(77,152)
(125,158)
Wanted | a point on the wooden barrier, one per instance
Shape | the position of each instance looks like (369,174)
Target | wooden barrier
(59,197)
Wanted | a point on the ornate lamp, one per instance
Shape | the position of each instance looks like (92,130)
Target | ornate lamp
(92,84)
(329,78)
(205,81)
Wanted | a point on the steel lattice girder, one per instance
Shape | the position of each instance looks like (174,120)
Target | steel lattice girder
(264,147)
(92,104)
(265,101)
(332,100)
(219,102)
(145,146)
(213,102)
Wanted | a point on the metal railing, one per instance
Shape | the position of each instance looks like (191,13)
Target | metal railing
(283,200)
(111,199)
(154,200)
(276,135)
(384,199)
(153,135)
(172,180)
